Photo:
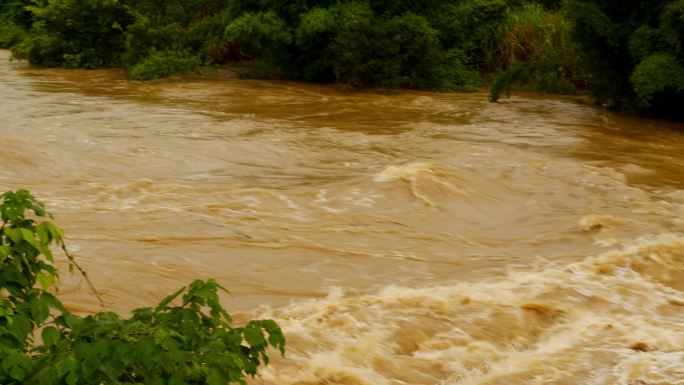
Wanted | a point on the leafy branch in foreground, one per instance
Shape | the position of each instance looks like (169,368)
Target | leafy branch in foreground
(191,342)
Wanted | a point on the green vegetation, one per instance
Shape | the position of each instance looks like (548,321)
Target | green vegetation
(633,51)
(15,21)
(162,64)
(537,53)
(75,33)
(186,339)
(437,45)
(629,55)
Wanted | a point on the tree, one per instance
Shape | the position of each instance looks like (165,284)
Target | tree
(633,52)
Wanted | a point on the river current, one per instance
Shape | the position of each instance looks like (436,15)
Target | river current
(411,238)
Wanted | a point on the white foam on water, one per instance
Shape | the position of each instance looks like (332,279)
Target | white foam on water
(611,319)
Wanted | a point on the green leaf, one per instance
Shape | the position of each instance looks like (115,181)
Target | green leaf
(20,328)
(46,280)
(50,336)
(164,302)
(215,378)
(254,336)
(48,254)
(13,234)
(67,367)
(54,231)
(17,364)
(29,237)
(17,372)
(39,311)
(69,320)
(37,208)
(43,233)
(53,302)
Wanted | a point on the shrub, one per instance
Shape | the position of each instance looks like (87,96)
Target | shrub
(194,26)
(206,37)
(192,342)
(656,74)
(437,45)
(453,74)
(15,20)
(145,37)
(363,51)
(470,27)
(261,34)
(76,33)
(312,39)
(541,76)
(10,34)
(162,64)
(634,52)
(361,43)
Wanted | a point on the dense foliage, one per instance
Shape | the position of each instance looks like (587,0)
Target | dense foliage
(186,339)
(633,52)
(437,44)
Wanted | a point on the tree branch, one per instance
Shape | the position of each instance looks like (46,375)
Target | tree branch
(72,260)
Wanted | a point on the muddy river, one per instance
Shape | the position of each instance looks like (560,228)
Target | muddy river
(411,238)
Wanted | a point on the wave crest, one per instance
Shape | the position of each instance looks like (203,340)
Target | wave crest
(610,319)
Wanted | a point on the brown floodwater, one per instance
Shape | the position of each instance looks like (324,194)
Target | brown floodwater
(412,238)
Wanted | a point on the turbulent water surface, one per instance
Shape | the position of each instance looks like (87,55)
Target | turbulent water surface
(414,238)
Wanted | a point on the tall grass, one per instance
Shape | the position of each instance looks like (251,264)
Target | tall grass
(535,51)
